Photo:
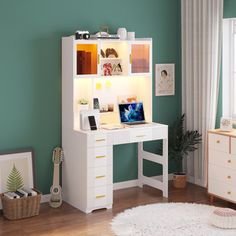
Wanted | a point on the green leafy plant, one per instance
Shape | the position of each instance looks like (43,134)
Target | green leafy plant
(182,142)
(14,180)
(83,101)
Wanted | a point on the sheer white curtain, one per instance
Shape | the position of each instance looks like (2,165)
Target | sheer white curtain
(201,57)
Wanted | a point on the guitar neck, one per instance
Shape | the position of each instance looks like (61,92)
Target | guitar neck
(56,174)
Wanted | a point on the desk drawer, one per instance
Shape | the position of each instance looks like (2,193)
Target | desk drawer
(140,135)
(222,159)
(226,175)
(99,156)
(100,176)
(221,189)
(100,197)
(219,142)
(98,140)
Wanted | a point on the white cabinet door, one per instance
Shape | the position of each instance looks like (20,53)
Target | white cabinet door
(140,57)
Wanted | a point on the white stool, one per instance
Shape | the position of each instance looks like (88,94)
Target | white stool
(224,218)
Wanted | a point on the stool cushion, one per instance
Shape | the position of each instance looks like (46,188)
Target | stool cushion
(224,218)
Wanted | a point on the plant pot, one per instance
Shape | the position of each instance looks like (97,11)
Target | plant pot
(82,107)
(179,180)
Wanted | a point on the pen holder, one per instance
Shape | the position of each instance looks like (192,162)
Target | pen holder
(19,208)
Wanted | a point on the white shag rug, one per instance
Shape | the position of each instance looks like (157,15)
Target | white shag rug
(168,219)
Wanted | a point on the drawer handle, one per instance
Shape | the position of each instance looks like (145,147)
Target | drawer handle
(140,136)
(100,196)
(229,177)
(218,141)
(100,176)
(229,161)
(100,156)
(100,140)
(229,192)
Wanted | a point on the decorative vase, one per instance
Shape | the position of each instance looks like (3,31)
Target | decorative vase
(179,180)
(122,32)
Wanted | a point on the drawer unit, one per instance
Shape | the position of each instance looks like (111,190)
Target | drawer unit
(98,140)
(219,142)
(222,164)
(140,135)
(99,156)
(100,176)
(100,196)
(219,173)
(222,159)
(221,189)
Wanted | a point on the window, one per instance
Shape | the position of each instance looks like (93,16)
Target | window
(229,68)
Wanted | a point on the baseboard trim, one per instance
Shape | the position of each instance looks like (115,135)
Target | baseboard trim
(125,184)
(45,198)
(134,183)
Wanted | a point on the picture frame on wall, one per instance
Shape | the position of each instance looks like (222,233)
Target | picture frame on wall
(165,79)
(16,167)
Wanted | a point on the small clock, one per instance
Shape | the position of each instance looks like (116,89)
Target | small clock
(226,124)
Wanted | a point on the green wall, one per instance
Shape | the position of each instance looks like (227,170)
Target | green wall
(229,12)
(30,70)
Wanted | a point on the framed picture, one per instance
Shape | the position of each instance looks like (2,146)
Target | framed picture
(165,79)
(111,66)
(16,170)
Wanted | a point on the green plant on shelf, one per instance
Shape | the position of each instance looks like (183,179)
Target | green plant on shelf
(14,180)
(83,101)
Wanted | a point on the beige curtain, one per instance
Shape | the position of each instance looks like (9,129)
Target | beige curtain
(201,57)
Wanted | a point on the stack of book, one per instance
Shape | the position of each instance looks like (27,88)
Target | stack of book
(19,193)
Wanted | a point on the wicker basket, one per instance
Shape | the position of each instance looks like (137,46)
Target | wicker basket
(14,209)
(179,180)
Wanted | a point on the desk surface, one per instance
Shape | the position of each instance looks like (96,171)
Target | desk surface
(125,128)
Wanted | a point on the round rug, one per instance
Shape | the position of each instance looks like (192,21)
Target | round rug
(168,219)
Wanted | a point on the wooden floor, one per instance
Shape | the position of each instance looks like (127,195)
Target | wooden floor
(67,220)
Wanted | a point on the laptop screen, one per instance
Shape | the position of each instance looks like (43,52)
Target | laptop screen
(131,112)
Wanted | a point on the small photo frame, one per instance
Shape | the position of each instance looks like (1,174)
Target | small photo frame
(16,167)
(111,66)
(165,79)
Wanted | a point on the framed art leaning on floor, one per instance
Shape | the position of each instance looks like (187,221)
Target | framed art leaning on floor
(16,167)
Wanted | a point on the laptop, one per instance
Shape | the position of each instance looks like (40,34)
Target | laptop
(132,113)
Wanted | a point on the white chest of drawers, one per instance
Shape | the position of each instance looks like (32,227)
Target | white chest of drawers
(222,165)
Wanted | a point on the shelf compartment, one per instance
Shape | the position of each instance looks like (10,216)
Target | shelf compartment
(87,58)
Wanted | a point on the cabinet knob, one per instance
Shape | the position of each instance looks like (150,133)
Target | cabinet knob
(100,156)
(100,176)
(229,192)
(100,140)
(140,136)
(229,177)
(100,196)
(229,161)
(218,141)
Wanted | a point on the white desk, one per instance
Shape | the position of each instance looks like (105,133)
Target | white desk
(87,180)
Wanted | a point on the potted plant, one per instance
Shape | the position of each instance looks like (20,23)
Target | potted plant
(83,105)
(181,143)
